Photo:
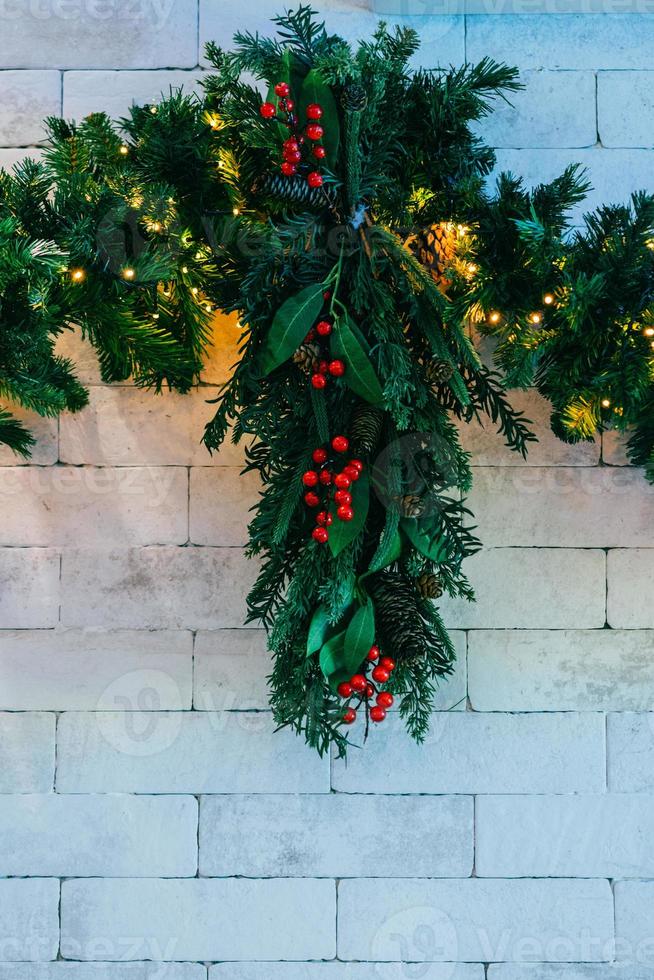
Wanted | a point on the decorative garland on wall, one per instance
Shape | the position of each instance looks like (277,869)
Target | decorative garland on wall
(344,216)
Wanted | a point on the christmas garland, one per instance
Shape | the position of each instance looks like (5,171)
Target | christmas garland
(344,216)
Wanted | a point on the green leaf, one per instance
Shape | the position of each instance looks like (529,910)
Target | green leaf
(359,636)
(389,550)
(290,325)
(317,630)
(341,533)
(425,543)
(315,89)
(359,373)
(332,658)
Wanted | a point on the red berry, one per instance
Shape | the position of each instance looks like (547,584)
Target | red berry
(342,481)
(357,464)
(325,476)
(323,367)
(350,716)
(311,499)
(340,444)
(336,368)
(320,534)
(377,714)
(387,663)
(319,152)
(267,110)
(324,518)
(385,699)
(293,156)
(343,497)
(319,456)
(282,89)
(314,131)
(327,295)
(314,111)
(373,652)
(291,144)
(314,179)
(369,690)
(351,472)
(318,380)
(358,683)
(324,328)
(289,105)
(345,690)
(288,169)
(345,513)
(309,337)
(310,478)
(380,674)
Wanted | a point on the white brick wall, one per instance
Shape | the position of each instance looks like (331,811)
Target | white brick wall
(152,826)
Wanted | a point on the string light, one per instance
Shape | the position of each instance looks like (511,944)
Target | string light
(606,402)
(235,212)
(128,273)
(649,331)
(494,317)
(472,268)
(155,226)
(208,307)
(153,110)
(184,270)
(548,299)
(155,316)
(195,290)
(535,317)
(77,275)
(124,149)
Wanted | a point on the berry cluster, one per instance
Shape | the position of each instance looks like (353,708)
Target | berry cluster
(326,367)
(364,690)
(327,482)
(296,144)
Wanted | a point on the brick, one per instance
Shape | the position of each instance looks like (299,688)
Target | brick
(604,836)
(26,98)
(123,426)
(114,836)
(81,352)
(468,752)
(634,911)
(572,971)
(487,446)
(115,92)
(475,920)
(599,507)
(29,588)
(339,971)
(29,920)
(548,588)
(76,670)
(9,157)
(629,574)
(103,971)
(566,40)
(230,670)
(199,919)
(630,751)
(220,504)
(614,173)
(184,752)
(442,38)
(54,505)
(43,430)
(222,353)
(320,836)
(566,670)
(156,588)
(119,35)
(614,448)
(27,753)
(625,108)
(544,115)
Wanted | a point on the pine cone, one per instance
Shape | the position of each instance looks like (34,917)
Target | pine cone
(365,429)
(354,98)
(306,357)
(438,372)
(436,248)
(402,631)
(429,586)
(295,190)
(411,505)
